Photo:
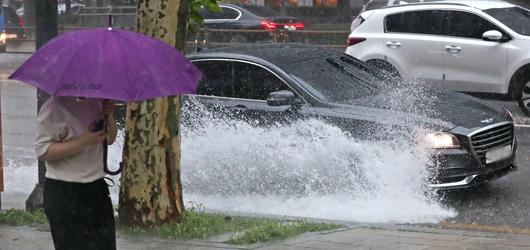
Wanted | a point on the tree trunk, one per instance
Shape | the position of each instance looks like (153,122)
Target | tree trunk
(151,190)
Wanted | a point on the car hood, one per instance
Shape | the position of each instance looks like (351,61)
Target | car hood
(436,110)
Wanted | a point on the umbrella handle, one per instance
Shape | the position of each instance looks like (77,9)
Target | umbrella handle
(110,21)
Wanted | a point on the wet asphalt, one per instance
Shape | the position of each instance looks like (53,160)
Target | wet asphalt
(502,203)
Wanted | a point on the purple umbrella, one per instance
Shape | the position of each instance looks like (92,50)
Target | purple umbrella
(109,64)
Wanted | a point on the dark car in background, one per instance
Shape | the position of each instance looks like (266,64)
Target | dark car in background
(11,27)
(241,25)
(470,143)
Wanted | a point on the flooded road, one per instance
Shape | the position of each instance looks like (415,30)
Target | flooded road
(234,167)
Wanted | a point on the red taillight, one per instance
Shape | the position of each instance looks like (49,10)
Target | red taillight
(268,25)
(355,40)
(21,22)
(298,26)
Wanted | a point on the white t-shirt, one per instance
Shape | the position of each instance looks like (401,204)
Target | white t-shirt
(61,119)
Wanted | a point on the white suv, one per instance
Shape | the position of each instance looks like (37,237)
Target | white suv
(470,46)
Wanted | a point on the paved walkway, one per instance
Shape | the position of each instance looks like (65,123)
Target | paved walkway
(352,237)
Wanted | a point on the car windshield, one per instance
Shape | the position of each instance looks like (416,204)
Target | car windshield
(334,78)
(516,18)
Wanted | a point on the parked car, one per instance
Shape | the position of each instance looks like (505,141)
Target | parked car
(471,142)
(470,46)
(236,17)
(10,26)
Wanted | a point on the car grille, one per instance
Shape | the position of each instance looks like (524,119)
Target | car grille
(491,138)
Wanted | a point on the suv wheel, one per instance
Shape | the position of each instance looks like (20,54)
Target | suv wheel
(523,97)
(521,89)
(2,49)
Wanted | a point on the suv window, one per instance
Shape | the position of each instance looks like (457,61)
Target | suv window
(469,25)
(217,78)
(419,22)
(516,18)
(254,82)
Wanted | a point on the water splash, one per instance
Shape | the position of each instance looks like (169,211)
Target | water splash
(307,168)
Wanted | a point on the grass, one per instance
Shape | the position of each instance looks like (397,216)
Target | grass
(278,230)
(198,224)
(247,230)
(17,217)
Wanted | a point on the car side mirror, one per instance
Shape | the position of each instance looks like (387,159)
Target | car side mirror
(492,35)
(281,98)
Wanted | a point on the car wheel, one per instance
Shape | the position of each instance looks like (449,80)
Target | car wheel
(2,49)
(523,97)
(520,89)
(238,39)
(385,68)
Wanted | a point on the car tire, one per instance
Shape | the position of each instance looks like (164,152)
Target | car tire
(2,49)
(521,89)
(238,39)
(385,68)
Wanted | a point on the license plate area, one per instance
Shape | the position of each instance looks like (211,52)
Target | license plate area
(498,154)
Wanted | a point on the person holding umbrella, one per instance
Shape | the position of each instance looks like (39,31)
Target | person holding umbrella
(81,76)
(70,136)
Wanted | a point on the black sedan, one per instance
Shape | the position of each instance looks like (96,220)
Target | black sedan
(237,24)
(470,142)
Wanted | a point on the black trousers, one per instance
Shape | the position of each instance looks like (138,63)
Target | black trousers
(80,215)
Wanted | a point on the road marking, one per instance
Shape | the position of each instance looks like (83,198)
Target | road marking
(486,228)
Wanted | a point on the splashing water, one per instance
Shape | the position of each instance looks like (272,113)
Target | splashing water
(308,168)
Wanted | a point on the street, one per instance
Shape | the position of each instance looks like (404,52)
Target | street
(503,202)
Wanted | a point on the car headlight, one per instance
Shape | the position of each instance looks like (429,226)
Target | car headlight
(441,140)
(3,38)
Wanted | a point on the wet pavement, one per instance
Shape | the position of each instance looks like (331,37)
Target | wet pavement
(350,237)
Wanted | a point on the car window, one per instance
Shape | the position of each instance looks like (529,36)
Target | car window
(418,22)
(516,18)
(217,78)
(468,25)
(334,78)
(229,13)
(255,82)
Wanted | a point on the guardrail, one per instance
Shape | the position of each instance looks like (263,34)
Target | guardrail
(209,38)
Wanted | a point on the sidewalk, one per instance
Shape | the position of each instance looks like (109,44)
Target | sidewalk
(353,237)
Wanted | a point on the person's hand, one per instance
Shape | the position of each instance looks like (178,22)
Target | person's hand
(89,138)
(108,108)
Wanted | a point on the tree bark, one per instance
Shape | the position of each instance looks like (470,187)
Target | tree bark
(151,190)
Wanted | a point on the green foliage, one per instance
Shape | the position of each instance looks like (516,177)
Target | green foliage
(195,20)
(17,217)
(277,230)
(197,224)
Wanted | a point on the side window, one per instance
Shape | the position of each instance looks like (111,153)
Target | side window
(210,15)
(418,22)
(217,78)
(464,24)
(254,82)
(229,13)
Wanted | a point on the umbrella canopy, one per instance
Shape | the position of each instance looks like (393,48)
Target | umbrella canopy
(109,64)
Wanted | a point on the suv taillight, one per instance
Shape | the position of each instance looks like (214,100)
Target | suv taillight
(355,40)
(21,22)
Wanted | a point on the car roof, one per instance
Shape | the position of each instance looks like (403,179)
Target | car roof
(276,53)
(480,4)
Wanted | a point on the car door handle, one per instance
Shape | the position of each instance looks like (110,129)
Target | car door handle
(393,44)
(453,49)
